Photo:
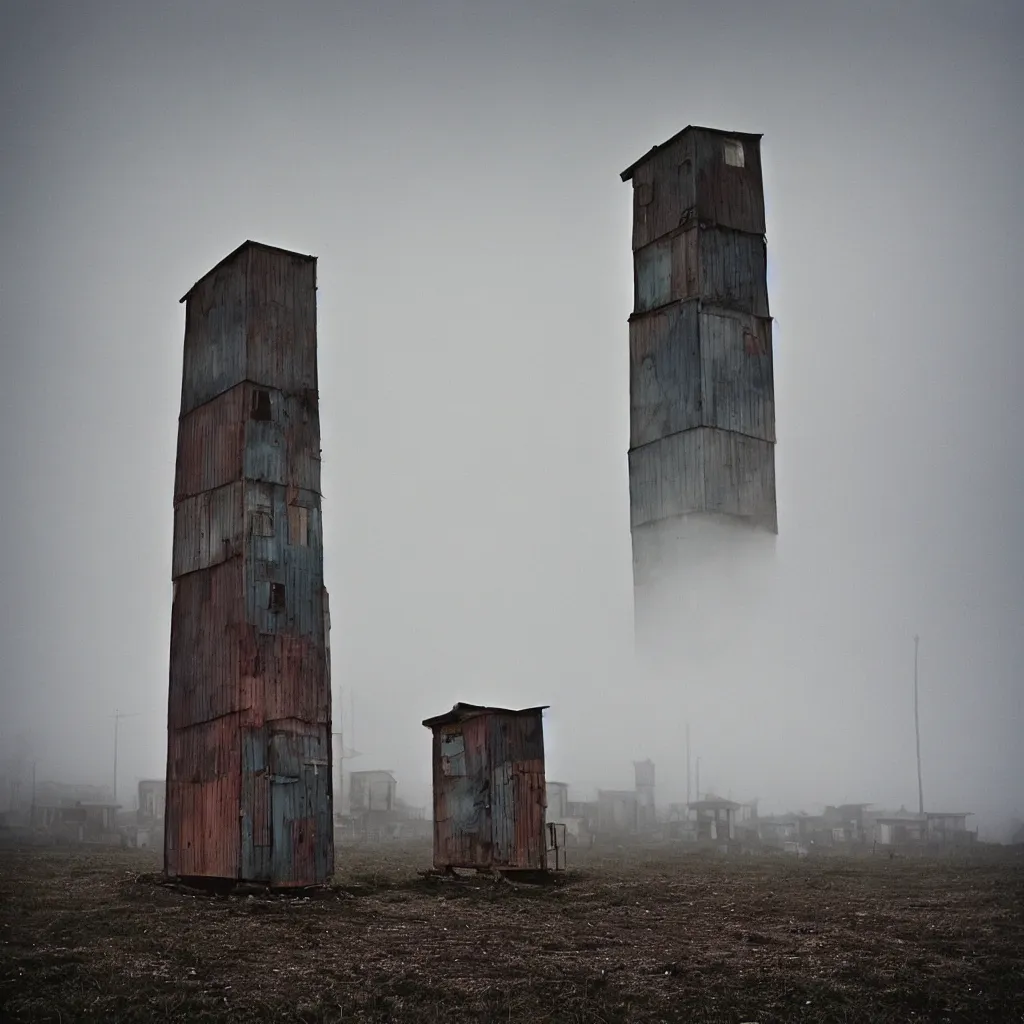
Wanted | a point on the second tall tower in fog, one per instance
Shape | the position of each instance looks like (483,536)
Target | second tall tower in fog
(702,404)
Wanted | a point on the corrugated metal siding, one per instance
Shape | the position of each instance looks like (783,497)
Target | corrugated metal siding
(721,266)
(302,840)
(489,793)
(210,444)
(210,642)
(220,442)
(733,270)
(249,702)
(201,823)
(703,470)
(690,180)
(281,335)
(663,192)
(208,529)
(256,832)
(737,382)
(729,196)
(666,478)
(215,329)
(462,795)
(274,561)
(665,373)
(739,476)
(701,360)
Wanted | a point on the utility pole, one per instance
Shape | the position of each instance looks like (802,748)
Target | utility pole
(698,778)
(917,735)
(118,715)
(687,763)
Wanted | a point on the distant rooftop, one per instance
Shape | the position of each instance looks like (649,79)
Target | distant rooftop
(461,712)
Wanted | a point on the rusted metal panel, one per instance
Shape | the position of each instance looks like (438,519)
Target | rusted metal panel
(249,701)
(284,580)
(531,799)
(301,828)
(203,787)
(227,439)
(489,790)
(210,644)
(462,816)
(211,439)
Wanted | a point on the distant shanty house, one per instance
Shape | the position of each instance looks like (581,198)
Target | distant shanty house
(489,789)
(948,828)
(152,798)
(557,801)
(901,828)
(845,822)
(79,822)
(617,810)
(715,818)
(149,817)
(644,786)
(371,791)
(778,828)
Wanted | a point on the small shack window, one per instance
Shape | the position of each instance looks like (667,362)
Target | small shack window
(261,405)
(734,153)
(261,523)
(298,526)
(276,597)
(453,754)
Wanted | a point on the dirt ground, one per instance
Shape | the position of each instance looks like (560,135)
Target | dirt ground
(630,935)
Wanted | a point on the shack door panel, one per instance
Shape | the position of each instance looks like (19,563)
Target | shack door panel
(255,817)
(462,836)
(530,802)
(299,809)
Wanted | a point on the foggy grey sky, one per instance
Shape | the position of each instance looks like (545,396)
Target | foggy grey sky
(455,167)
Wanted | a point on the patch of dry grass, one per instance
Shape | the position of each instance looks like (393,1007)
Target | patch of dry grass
(632,934)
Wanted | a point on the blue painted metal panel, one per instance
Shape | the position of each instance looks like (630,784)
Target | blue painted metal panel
(255,820)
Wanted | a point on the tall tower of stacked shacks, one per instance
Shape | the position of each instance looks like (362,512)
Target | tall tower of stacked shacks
(702,408)
(249,709)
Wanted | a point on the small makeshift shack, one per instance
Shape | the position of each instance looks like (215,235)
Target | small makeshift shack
(489,790)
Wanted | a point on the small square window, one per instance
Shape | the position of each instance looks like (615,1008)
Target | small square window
(733,153)
(261,405)
(276,597)
(261,523)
